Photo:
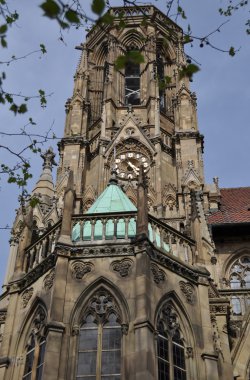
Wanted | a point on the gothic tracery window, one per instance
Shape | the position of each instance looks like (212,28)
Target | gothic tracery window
(240,273)
(99,346)
(170,346)
(35,349)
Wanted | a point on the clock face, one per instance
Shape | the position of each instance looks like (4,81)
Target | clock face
(128,164)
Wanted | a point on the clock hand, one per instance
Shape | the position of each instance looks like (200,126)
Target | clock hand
(133,167)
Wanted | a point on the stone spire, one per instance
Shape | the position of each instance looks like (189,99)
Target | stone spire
(45,185)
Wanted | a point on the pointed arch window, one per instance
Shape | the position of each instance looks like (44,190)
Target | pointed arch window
(99,345)
(170,346)
(34,361)
(239,274)
(35,349)
(132,83)
(161,79)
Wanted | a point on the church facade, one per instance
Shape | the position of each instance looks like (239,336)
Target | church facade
(130,267)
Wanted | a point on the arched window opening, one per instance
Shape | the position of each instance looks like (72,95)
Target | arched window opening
(40,362)
(235,282)
(240,273)
(34,361)
(132,84)
(99,347)
(35,351)
(29,359)
(35,232)
(161,80)
(236,306)
(170,347)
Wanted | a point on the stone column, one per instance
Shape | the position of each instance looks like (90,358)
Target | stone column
(144,331)
(69,197)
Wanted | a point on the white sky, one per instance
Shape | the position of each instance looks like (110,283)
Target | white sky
(222,88)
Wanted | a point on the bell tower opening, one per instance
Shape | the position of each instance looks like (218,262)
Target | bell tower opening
(132,84)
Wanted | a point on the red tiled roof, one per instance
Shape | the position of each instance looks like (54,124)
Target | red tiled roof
(235,206)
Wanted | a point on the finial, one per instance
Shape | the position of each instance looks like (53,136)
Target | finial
(113,179)
(216,182)
(48,158)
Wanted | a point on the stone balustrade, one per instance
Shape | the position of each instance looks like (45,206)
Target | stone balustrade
(42,248)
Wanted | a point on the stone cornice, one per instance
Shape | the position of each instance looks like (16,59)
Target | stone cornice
(33,275)
(74,140)
(94,250)
(195,274)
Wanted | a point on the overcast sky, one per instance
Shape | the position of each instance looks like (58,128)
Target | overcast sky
(222,87)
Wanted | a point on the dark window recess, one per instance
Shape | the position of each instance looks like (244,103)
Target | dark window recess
(161,79)
(132,84)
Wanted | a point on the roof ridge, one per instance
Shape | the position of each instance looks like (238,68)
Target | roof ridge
(235,188)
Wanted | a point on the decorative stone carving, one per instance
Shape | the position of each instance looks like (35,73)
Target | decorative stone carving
(125,329)
(49,280)
(26,296)
(75,330)
(124,250)
(235,328)
(216,336)
(189,352)
(122,267)
(212,291)
(3,315)
(100,306)
(158,274)
(219,309)
(101,303)
(39,322)
(169,319)
(79,269)
(188,291)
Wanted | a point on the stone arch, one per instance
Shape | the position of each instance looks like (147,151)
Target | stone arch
(173,299)
(179,321)
(233,257)
(81,306)
(100,54)
(167,51)
(34,323)
(133,39)
(100,284)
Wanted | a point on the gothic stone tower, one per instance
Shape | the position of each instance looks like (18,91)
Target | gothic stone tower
(112,276)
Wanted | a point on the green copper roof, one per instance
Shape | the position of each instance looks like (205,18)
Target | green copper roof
(112,199)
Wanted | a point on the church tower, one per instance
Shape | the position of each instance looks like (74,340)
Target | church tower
(114,274)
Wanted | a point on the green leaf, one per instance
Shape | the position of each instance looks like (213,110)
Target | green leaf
(188,71)
(9,98)
(231,51)
(51,8)
(3,42)
(132,56)
(72,16)
(107,19)
(98,6)
(3,29)
(34,201)
(22,108)
(12,180)
(43,48)
(14,108)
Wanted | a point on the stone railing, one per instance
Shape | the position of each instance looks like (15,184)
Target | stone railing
(103,227)
(121,227)
(239,300)
(41,248)
(170,240)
